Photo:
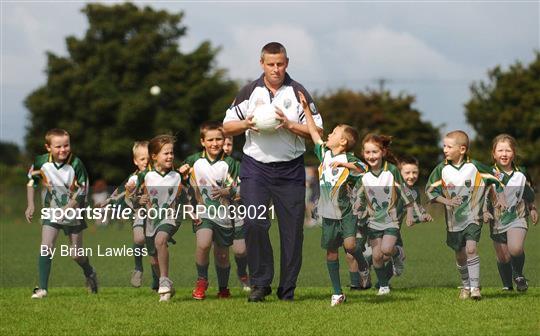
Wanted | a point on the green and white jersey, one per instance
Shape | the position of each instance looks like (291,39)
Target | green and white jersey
(518,193)
(207,176)
(164,192)
(335,183)
(418,210)
(469,181)
(377,196)
(61,182)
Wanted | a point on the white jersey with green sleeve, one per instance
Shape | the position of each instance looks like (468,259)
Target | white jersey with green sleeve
(61,181)
(335,183)
(418,211)
(207,176)
(469,181)
(164,192)
(518,193)
(378,195)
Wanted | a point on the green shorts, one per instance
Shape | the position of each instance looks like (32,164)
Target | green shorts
(334,231)
(374,234)
(68,229)
(151,243)
(457,240)
(499,237)
(239,233)
(220,235)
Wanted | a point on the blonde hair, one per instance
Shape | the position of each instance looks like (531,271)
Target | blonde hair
(54,132)
(505,138)
(139,144)
(461,138)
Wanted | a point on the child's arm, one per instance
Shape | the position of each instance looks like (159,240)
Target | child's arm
(349,165)
(315,136)
(29,213)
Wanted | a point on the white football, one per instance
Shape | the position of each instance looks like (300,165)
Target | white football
(264,117)
(155,90)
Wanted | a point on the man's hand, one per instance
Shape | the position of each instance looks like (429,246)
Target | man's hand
(29,213)
(284,121)
(249,124)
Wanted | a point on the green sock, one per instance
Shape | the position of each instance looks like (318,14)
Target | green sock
(202,271)
(355,279)
(223,276)
(389,270)
(517,264)
(381,276)
(44,267)
(85,265)
(333,271)
(155,277)
(505,271)
(241,266)
(137,254)
(359,257)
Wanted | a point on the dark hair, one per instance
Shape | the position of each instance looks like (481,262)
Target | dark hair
(155,145)
(383,141)
(211,126)
(407,159)
(273,48)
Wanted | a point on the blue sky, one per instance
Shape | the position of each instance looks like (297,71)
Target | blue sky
(433,50)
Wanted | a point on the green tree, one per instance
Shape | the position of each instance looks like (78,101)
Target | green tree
(10,154)
(383,113)
(99,92)
(508,102)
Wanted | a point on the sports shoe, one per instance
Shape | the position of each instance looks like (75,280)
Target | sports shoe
(224,293)
(165,285)
(384,290)
(475,293)
(398,259)
(521,284)
(39,293)
(92,283)
(136,278)
(244,280)
(199,292)
(259,293)
(464,293)
(365,280)
(337,299)
(507,289)
(164,297)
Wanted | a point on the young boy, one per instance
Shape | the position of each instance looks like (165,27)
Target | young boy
(212,179)
(338,222)
(409,169)
(239,242)
(459,184)
(65,183)
(140,160)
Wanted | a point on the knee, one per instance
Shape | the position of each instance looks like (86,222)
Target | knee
(387,251)
(139,240)
(471,251)
(515,250)
(161,242)
(350,247)
(222,258)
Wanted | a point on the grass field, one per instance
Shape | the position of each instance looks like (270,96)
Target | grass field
(423,300)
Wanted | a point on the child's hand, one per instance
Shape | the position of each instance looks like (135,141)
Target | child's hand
(336,164)
(501,202)
(303,101)
(130,187)
(219,193)
(184,170)
(454,202)
(427,218)
(144,200)
(409,220)
(534,216)
(487,216)
(196,221)
(29,213)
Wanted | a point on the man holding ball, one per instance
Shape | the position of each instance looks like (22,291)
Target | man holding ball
(272,170)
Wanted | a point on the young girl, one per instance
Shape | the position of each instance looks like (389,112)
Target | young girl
(379,190)
(162,185)
(509,227)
